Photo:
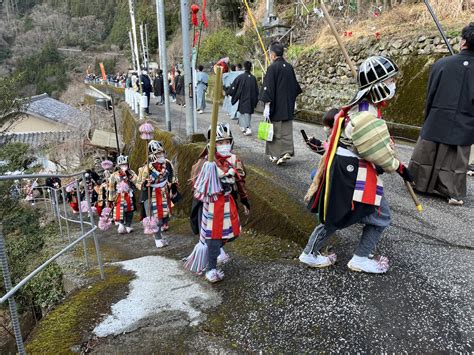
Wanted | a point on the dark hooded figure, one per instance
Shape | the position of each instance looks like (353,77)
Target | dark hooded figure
(279,92)
(158,88)
(245,92)
(440,160)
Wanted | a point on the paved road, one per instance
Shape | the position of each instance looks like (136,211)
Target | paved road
(423,304)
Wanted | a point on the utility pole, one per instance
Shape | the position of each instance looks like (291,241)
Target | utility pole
(160,19)
(137,53)
(142,39)
(132,50)
(187,67)
(146,44)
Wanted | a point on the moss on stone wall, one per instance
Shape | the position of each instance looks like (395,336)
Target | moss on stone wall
(408,105)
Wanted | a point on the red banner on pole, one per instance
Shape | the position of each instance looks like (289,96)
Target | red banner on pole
(102,69)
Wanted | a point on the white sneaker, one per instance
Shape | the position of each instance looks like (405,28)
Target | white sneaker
(364,264)
(214,276)
(281,161)
(223,257)
(242,129)
(121,229)
(248,132)
(273,159)
(200,112)
(318,261)
(286,156)
(455,202)
(129,229)
(160,243)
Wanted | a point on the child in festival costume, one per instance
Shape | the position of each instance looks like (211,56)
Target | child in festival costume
(121,186)
(157,184)
(348,188)
(71,197)
(218,222)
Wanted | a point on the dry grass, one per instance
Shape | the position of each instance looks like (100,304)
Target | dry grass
(403,20)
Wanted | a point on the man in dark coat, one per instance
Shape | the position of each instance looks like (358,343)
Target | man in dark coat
(146,87)
(279,92)
(179,85)
(440,159)
(158,89)
(245,91)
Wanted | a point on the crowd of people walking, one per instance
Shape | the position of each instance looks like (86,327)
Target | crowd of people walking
(346,186)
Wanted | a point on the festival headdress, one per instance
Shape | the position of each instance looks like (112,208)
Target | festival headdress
(122,160)
(223,132)
(371,74)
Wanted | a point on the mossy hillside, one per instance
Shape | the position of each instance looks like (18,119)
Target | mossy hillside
(70,323)
(274,213)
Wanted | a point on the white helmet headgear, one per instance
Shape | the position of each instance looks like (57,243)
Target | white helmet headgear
(223,132)
(122,160)
(155,147)
(371,76)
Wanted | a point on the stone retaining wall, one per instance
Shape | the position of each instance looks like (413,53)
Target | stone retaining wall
(327,80)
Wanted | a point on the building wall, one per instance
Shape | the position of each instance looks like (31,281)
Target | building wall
(27,123)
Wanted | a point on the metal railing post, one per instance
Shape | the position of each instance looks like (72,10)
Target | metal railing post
(96,240)
(78,194)
(50,200)
(58,213)
(65,214)
(44,198)
(11,300)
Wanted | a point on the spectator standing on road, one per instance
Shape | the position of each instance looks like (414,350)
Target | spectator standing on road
(227,80)
(158,89)
(244,92)
(146,88)
(441,156)
(279,92)
(202,79)
(179,85)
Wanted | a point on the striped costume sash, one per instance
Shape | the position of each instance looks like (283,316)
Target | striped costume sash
(160,203)
(220,219)
(369,187)
(122,205)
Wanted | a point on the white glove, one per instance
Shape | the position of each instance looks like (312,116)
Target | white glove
(266,111)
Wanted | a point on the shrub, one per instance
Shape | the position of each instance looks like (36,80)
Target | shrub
(225,43)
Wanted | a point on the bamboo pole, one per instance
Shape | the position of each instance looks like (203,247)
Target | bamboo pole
(215,113)
(338,39)
(267,59)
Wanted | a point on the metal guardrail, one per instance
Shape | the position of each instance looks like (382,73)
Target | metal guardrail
(51,201)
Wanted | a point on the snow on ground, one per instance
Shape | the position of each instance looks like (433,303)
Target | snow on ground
(160,285)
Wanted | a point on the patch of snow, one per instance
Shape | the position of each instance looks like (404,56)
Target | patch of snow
(161,284)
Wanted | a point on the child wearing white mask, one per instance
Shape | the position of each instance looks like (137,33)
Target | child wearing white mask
(120,194)
(218,222)
(159,187)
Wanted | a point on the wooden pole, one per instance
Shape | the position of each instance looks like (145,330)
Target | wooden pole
(338,39)
(215,113)
(267,59)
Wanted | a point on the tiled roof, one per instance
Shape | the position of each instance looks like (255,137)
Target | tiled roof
(51,109)
(37,139)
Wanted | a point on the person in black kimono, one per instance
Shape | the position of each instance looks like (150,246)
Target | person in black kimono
(440,160)
(147,88)
(279,92)
(245,92)
(179,85)
(158,89)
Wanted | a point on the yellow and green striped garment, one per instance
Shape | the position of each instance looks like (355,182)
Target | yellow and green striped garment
(371,138)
